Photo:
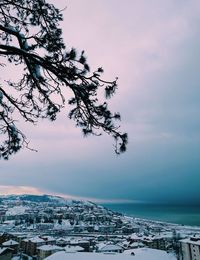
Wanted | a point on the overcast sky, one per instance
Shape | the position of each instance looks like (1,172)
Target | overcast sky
(153,46)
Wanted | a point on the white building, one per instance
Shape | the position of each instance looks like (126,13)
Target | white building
(190,248)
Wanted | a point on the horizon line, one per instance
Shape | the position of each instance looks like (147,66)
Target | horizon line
(9,190)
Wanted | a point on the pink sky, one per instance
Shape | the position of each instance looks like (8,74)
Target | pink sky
(153,47)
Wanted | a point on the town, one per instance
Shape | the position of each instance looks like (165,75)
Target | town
(51,227)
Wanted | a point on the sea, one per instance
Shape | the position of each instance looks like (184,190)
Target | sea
(188,215)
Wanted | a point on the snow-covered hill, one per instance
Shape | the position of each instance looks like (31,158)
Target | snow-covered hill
(44,198)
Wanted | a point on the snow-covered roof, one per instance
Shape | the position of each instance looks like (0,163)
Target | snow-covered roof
(36,239)
(9,222)
(110,248)
(191,241)
(49,247)
(140,254)
(48,238)
(135,236)
(10,243)
(65,239)
(135,244)
(74,249)
(2,250)
(25,240)
(78,241)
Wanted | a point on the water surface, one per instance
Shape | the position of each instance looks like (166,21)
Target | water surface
(179,214)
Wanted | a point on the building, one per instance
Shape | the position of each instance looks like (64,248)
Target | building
(47,250)
(4,237)
(82,243)
(190,248)
(110,248)
(14,245)
(155,242)
(29,246)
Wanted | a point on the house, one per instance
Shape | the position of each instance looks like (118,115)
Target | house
(14,245)
(136,228)
(18,238)
(24,245)
(47,250)
(32,244)
(62,242)
(29,246)
(79,228)
(127,230)
(110,248)
(82,243)
(105,229)
(135,245)
(4,237)
(90,228)
(156,229)
(44,226)
(155,242)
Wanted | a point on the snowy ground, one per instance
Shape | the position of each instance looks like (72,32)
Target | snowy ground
(140,254)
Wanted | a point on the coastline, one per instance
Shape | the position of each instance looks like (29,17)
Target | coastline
(183,215)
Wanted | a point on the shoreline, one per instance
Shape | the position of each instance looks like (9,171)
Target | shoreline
(165,213)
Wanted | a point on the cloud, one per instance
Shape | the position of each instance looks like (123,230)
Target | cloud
(20,190)
(153,47)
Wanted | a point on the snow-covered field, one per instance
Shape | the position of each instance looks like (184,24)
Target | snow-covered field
(140,254)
